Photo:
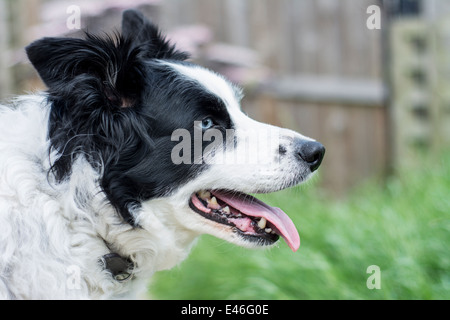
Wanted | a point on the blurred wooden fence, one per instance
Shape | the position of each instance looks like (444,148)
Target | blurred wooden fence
(321,37)
(4,70)
(326,73)
(420,82)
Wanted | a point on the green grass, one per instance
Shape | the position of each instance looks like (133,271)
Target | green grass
(402,226)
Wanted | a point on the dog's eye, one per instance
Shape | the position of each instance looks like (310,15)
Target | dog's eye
(207,123)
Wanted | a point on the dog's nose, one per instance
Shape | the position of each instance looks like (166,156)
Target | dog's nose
(311,152)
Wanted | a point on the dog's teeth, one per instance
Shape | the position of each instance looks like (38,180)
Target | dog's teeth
(268,230)
(212,204)
(204,194)
(262,223)
(227,210)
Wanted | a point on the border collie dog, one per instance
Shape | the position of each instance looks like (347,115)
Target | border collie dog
(111,174)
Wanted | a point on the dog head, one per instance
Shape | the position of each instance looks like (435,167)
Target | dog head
(161,130)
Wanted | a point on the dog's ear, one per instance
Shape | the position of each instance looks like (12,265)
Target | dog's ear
(137,27)
(134,23)
(59,60)
(109,66)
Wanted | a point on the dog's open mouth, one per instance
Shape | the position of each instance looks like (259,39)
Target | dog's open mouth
(250,217)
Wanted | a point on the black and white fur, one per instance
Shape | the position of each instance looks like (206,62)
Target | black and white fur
(85,168)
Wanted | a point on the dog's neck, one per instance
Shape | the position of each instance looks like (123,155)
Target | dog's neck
(157,244)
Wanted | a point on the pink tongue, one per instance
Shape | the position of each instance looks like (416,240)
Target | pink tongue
(256,208)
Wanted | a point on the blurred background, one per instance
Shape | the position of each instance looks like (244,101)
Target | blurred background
(370,79)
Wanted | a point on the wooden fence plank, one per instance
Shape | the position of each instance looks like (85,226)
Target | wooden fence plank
(306,40)
(327,31)
(5,76)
